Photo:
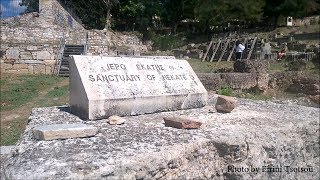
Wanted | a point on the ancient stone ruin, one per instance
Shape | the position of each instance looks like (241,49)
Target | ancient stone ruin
(37,43)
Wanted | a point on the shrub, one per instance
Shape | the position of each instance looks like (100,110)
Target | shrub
(166,42)
(225,90)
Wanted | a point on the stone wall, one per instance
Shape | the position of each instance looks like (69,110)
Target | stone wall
(29,58)
(312,20)
(33,40)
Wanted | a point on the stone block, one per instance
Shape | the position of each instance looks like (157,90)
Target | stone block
(18,71)
(26,55)
(39,69)
(63,131)
(32,48)
(181,123)
(31,62)
(43,55)
(49,62)
(105,86)
(116,120)
(12,53)
(49,69)
(20,66)
(239,80)
(6,149)
(30,69)
(5,66)
(225,104)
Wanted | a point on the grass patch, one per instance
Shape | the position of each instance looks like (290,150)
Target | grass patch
(56,97)
(11,131)
(21,89)
(225,90)
(209,67)
(278,66)
(247,94)
(58,91)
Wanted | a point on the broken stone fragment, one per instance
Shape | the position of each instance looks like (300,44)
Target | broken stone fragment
(225,104)
(116,120)
(63,131)
(181,123)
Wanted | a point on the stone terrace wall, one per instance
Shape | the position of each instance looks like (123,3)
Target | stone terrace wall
(30,43)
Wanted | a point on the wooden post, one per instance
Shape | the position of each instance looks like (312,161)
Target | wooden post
(232,50)
(224,49)
(215,51)
(252,47)
(208,48)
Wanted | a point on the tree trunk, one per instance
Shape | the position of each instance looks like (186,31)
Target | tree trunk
(108,16)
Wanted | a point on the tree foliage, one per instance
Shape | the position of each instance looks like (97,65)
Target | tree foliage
(295,8)
(31,5)
(139,14)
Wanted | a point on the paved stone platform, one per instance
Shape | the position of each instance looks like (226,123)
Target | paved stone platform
(255,141)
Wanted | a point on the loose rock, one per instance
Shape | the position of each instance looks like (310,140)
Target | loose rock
(116,120)
(181,123)
(225,104)
(63,131)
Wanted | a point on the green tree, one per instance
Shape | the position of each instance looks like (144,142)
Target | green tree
(294,8)
(108,4)
(177,10)
(219,12)
(31,5)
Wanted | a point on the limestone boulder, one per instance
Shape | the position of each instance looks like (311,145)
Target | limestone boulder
(238,145)
(225,104)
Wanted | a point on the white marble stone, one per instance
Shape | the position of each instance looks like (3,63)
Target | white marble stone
(63,131)
(105,86)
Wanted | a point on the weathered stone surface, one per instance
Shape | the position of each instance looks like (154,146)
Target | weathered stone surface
(6,149)
(63,131)
(307,85)
(315,99)
(19,71)
(5,66)
(131,86)
(116,120)
(43,55)
(262,81)
(20,66)
(297,65)
(12,53)
(251,66)
(225,104)
(255,135)
(181,123)
(39,69)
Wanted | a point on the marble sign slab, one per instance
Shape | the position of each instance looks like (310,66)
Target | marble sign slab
(104,86)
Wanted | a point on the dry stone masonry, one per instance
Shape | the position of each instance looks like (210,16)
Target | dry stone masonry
(30,43)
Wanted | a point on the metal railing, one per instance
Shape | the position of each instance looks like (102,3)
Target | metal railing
(60,54)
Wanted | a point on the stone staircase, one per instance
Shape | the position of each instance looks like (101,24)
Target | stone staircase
(69,50)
